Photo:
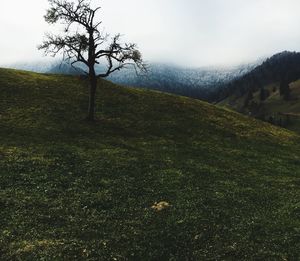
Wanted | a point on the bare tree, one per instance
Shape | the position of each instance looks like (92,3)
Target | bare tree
(83,42)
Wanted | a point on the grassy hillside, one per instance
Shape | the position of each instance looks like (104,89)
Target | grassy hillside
(274,109)
(70,190)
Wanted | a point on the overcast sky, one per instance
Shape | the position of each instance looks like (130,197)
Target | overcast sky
(185,32)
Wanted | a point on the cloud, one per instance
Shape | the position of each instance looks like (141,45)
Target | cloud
(186,32)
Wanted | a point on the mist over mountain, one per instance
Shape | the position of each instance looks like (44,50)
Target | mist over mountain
(40,66)
(192,82)
(198,83)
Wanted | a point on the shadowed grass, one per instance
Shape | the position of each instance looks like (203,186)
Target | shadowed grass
(71,190)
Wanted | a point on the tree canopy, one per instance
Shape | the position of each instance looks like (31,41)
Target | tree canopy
(83,42)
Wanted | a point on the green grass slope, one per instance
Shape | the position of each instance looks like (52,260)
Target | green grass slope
(280,111)
(70,190)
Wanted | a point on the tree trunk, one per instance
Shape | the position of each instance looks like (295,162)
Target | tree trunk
(92,77)
(93,88)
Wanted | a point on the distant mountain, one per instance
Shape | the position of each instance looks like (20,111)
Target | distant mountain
(192,82)
(198,83)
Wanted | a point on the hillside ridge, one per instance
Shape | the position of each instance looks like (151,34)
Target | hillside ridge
(156,177)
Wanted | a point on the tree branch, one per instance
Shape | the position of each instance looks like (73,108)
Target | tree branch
(93,44)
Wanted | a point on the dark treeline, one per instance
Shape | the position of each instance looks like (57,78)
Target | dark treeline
(282,68)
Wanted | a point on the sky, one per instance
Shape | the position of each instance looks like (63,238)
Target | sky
(191,33)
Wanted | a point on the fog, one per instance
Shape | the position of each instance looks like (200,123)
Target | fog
(191,33)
